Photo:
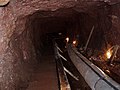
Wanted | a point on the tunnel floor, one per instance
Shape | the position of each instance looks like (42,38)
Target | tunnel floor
(45,77)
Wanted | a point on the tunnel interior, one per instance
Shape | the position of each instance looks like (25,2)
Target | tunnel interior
(45,26)
(33,36)
(34,33)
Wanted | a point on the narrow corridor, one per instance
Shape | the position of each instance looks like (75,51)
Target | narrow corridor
(45,77)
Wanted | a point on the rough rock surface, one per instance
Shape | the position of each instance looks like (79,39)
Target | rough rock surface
(17,53)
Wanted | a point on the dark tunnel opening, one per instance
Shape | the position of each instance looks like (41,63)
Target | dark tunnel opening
(44,30)
(45,26)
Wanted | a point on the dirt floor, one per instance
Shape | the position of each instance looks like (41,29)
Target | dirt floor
(45,77)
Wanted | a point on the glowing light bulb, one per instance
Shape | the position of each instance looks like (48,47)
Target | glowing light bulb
(74,42)
(108,54)
(67,39)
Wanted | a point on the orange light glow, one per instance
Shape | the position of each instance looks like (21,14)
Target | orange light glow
(108,54)
(74,42)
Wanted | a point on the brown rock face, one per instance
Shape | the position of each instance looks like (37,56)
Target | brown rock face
(19,34)
(4,2)
(17,51)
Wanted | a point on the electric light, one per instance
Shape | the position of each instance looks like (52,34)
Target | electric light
(108,54)
(74,42)
(67,39)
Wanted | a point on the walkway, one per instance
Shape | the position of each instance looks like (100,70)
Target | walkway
(45,78)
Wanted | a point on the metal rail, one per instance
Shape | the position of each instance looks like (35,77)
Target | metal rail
(62,70)
(63,80)
(94,76)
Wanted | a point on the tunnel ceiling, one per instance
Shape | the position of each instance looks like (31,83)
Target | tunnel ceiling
(22,9)
(26,7)
(19,10)
(55,19)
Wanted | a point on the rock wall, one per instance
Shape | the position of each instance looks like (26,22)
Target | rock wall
(17,51)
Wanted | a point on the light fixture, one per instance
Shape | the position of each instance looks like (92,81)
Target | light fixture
(74,42)
(108,54)
(59,33)
(67,39)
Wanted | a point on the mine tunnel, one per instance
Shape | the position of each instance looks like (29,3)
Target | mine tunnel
(34,50)
(46,26)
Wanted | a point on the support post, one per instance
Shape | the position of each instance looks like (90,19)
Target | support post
(88,38)
(116,47)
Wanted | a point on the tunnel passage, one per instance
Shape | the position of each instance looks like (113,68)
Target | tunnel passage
(26,32)
(34,33)
(46,26)
(37,32)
